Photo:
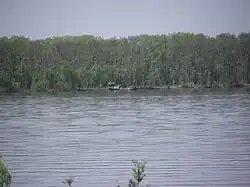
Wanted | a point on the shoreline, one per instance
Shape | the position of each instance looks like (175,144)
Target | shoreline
(160,88)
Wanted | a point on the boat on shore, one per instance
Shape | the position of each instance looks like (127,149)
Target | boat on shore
(112,86)
(115,88)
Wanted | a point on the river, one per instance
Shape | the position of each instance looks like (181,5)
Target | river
(187,139)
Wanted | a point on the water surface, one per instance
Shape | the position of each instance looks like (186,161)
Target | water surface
(190,139)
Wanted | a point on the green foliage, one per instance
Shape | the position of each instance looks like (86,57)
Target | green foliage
(75,62)
(5,176)
(138,171)
(137,174)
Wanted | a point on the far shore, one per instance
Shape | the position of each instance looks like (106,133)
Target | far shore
(165,88)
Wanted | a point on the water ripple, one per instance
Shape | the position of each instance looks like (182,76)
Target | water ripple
(187,140)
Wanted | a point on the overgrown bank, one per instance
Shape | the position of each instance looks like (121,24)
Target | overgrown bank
(78,62)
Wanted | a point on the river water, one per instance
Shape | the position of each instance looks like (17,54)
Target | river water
(187,139)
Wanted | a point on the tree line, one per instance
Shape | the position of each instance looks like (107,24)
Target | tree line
(75,62)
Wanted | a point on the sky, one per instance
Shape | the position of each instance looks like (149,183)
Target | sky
(108,18)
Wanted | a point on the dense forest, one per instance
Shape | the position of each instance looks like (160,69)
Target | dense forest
(76,62)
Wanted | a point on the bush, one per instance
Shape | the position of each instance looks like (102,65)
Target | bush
(5,176)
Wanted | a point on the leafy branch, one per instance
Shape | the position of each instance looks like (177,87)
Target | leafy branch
(5,176)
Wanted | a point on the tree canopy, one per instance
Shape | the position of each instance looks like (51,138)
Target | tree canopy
(73,62)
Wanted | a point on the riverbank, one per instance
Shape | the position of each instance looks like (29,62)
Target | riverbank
(165,88)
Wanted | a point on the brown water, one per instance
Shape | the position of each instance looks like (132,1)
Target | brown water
(200,139)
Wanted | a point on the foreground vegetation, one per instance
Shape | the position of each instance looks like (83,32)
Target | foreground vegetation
(76,62)
(5,176)
(138,174)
